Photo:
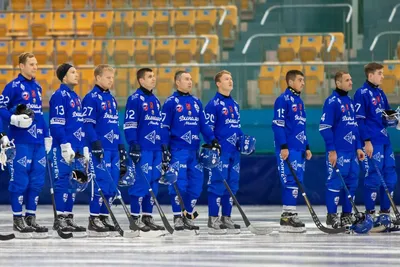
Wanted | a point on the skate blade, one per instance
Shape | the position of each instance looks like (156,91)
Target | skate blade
(55,234)
(97,234)
(232,231)
(20,235)
(289,229)
(43,235)
(153,233)
(186,232)
(131,234)
(113,234)
(79,234)
(212,231)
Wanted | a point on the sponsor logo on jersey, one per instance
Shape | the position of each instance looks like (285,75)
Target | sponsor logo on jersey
(33,131)
(196,107)
(25,95)
(342,108)
(225,111)
(301,137)
(151,105)
(151,137)
(373,101)
(349,137)
(145,106)
(232,139)
(179,108)
(72,103)
(294,108)
(103,105)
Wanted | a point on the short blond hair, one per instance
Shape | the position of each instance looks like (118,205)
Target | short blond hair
(22,58)
(98,71)
(219,75)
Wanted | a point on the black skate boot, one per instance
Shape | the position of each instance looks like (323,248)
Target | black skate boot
(39,231)
(178,223)
(149,221)
(333,220)
(106,222)
(60,223)
(79,231)
(231,226)
(96,228)
(290,223)
(189,224)
(395,224)
(140,224)
(20,229)
(215,226)
(347,219)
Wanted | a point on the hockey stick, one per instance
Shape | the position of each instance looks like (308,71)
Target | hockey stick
(53,201)
(310,208)
(160,211)
(192,216)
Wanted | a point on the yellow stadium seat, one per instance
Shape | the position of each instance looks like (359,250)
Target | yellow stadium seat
(143,51)
(165,81)
(164,50)
(162,22)
(86,79)
(6,75)
(185,50)
(391,71)
(288,48)
(121,83)
(19,47)
(284,70)
(268,79)
(19,25)
(45,76)
(39,5)
(84,22)
(310,47)
(200,3)
(99,4)
(81,4)
(205,21)
(63,24)
(337,49)
(212,52)
(5,21)
(123,51)
(221,2)
(19,5)
(183,21)
(143,22)
(123,22)
(83,51)
(132,80)
(195,73)
(102,50)
(179,3)
(125,4)
(230,24)
(63,51)
(58,4)
(41,23)
(5,49)
(246,5)
(102,22)
(159,3)
(314,78)
(43,49)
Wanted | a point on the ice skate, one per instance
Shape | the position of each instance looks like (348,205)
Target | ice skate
(96,228)
(21,230)
(39,231)
(231,227)
(290,223)
(78,231)
(215,226)
(333,220)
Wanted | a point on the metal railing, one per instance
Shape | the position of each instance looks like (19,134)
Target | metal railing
(393,13)
(376,38)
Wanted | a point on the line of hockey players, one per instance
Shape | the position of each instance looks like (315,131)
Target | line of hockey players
(82,145)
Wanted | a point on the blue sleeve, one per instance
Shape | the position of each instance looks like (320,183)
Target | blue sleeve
(5,103)
(131,121)
(166,123)
(90,118)
(57,118)
(211,114)
(361,106)
(279,122)
(205,129)
(326,124)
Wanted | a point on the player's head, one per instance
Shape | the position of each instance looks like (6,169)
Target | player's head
(67,74)
(104,76)
(224,82)
(374,73)
(343,81)
(146,78)
(28,64)
(183,81)
(295,79)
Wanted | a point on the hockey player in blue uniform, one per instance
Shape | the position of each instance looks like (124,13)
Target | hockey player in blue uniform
(20,97)
(142,126)
(66,128)
(183,121)
(289,127)
(370,101)
(339,129)
(106,147)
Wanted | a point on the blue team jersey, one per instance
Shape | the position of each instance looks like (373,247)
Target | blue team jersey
(369,102)
(142,124)
(66,118)
(338,125)
(101,121)
(222,113)
(289,122)
(28,92)
(183,121)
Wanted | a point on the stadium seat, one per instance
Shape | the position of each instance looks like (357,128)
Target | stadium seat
(100,4)
(221,2)
(5,49)
(205,21)
(183,21)
(288,48)
(230,24)
(86,79)
(41,23)
(314,76)
(179,3)
(398,50)
(310,48)
(159,3)
(42,49)
(143,22)
(123,51)
(185,50)
(84,23)
(63,24)
(164,50)
(58,4)
(63,51)
(284,70)
(19,25)
(201,3)
(268,79)
(391,71)
(83,51)
(132,79)
(121,83)
(212,52)
(18,5)
(143,49)
(45,76)
(6,75)
(39,5)
(337,49)
(165,81)
(102,50)
(102,22)
(123,22)
(125,3)
(5,21)
(162,22)
(81,4)
(18,47)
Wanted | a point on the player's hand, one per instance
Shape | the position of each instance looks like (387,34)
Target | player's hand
(308,154)
(284,153)
(166,155)
(21,121)
(134,153)
(122,152)
(369,149)
(67,153)
(48,142)
(360,155)
(332,157)
(216,146)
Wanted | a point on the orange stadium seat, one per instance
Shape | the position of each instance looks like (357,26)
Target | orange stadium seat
(5,49)
(143,51)
(18,47)
(143,22)
(43,50)
(6,75)
(337,49)
(99,4)
(284,70)
(230,24)
(121,83)
(5,21)
(41,23)
(19,4)
(314,76)
(185,50)
(162,22)
(268,79)
(183,21)
(123,22)
(39,5)
(205,21)
(86,79)
(81,4)
(159,3)
(165,81)
(125,3)
(201,3)
(132,79)
(58,4)
(310,47)
(83,51)
(288,48)
(164,50)
(19,25)
(391,71)
(45,76)
(63,51)
(63,24)
(84,22)
(179,3)
(123,51)
(212,52)
(102,50)
(221,2)
(102,22)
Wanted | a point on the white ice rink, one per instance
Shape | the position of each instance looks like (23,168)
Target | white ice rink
(312,249)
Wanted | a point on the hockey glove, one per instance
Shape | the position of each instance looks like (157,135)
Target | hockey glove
(97,150)
(48,142)
(67,153)
(166,155)
(86,154)
(21,121)
(134,153)
(122,160)
(4,140)
(216,146)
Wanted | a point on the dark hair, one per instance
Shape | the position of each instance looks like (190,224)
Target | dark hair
(178,74)
(339,75)
(371,68)
(291,75)
(141,73)
(22,58)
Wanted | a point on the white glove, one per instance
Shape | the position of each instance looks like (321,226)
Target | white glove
(67,153)
(48,142)
(21,121)
(5,141)
(86,154)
